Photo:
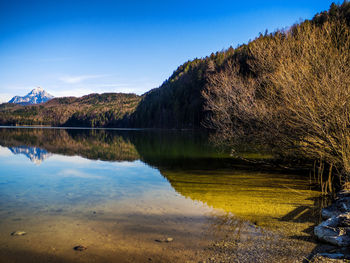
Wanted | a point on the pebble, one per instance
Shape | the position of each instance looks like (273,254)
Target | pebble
(80,248)
(168,239)
(18,233)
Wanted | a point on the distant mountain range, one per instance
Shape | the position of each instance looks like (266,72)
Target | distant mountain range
(36,96)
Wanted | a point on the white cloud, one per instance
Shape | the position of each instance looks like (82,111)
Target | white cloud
(53,59)
(80,78)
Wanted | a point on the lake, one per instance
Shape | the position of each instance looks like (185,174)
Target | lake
(122,193)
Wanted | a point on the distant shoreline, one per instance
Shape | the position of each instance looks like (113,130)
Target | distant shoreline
(85,128)
(70,128)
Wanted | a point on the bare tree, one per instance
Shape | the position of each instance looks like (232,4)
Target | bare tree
(298,101)
(311,86)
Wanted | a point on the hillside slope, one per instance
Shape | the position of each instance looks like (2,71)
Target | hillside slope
(178,102)
(94,110)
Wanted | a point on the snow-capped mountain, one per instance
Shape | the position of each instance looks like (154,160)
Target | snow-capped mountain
(36,96)
(35,154)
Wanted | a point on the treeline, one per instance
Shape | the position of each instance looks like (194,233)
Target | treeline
(94,110)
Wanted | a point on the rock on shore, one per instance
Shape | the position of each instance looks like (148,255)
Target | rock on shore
(335,229)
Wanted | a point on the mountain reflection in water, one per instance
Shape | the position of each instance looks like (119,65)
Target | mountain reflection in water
(35,154)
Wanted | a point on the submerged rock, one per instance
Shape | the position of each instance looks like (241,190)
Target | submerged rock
(335,230)
(167,240)
(18,233)
(80,248)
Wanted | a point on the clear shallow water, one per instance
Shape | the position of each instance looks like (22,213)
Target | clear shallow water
(116,192)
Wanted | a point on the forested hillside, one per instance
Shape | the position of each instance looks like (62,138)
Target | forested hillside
(178,102)
(94,110)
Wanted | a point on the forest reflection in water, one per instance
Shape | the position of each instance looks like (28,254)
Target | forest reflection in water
(98,177)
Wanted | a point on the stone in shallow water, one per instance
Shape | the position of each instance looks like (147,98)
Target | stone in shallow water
(80,248)
(18,233)
(168,239)
(335,230)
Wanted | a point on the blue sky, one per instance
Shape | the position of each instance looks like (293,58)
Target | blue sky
(76,47)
